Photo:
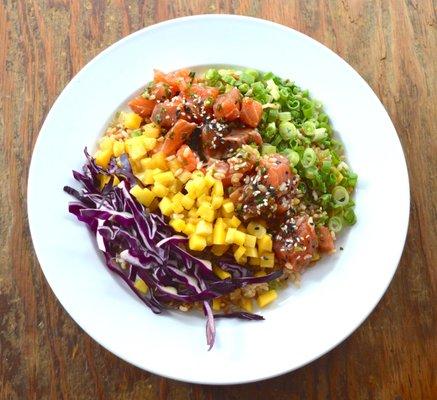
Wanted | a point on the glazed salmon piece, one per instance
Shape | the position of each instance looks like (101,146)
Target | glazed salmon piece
(326,242)
(227,106)
(177,135)
(277,169)
(188,158)
(162,91)
(141,106)
(177,80)
(204,92)
(251,112)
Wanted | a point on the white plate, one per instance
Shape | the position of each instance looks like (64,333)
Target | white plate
(335,297)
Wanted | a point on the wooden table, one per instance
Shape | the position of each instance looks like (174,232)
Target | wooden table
(45,355)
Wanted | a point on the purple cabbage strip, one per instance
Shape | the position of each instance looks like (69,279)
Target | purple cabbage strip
(139,244)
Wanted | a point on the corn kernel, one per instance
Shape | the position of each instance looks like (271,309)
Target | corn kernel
(203,228)
(221,273)
(250,240)
(265,244)
(166,206)
(141,286)
(152,130)
(228,206)
(266,298)
(196,242)
(118,148)
(187,202)
(132,120)
(159,189)
(177,224)
(246,304)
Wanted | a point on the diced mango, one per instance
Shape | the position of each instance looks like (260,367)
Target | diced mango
(209,239)
(135,147)
(221,273)
(146,177)
(203,199)
(102,157)
(266,298)
(219,232)
(196,242)
(246,304)
(265,244)
(141,286)
(159,160)
(216,304)
(239,253)
(184,176)
(166,206)
(206,212)
(217,189)
(209,181)
(199,185)
(230,235)
(251,252)
(177,224)
(165,178)
(174,165)
(151,130)
(159,189)
(192,212)
(132,120)
(239,237)
(234,222)
(250,240)
(187,202)
(177,202)
(216,202)
(189,228)
(176,186)
(203,228)
(228,206)
(267,260)
(106,143)
(219,249)
(149,143)
(144,196)
(118,148)
(254,261)
(255,228)
(147,163)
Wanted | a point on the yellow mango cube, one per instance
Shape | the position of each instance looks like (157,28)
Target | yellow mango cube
(184,176)
(135,148)
(239,237)
(196,242)
(131,120)
(177,224)
(265,244)
(174,165)
(144,196)
(203,228)
(103,157)
(221,273)
(216,202)
(152,130)
(246,304)
(175,187)
(166,206)
(106,143)
(189,228)
(230,235)
(234,222)
(203,199)
(219,249)
(206,212)
(147,163)
(239,253)
(159,160)
(209,181)
(267,260)
(192,212)
(254,261)
(251,252)
(219,232)
(217,189)
(250,240)
(149,143)
(187,202)
(159,189)
(164,178)
(228,206)
(256,229)
(177,202)
(118,148)
(266,298)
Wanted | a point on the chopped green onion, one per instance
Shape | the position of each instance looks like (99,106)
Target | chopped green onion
(349,216)
(267,149)
(284,116)
(335,224)
(340,195)
(229,79)
(311,173)
(273,115)
(292,156)
(287,130)
(309,128)
(136,133)
(309,158)
(247,78)
(268,75)
(277,140)
(270,130)
(243,88)
(308,109)
(212,76)
(253,72)
(293,105)
(319,134)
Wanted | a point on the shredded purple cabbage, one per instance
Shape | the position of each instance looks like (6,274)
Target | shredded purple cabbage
(138,243)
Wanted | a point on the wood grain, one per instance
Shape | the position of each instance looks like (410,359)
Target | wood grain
(45,355)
